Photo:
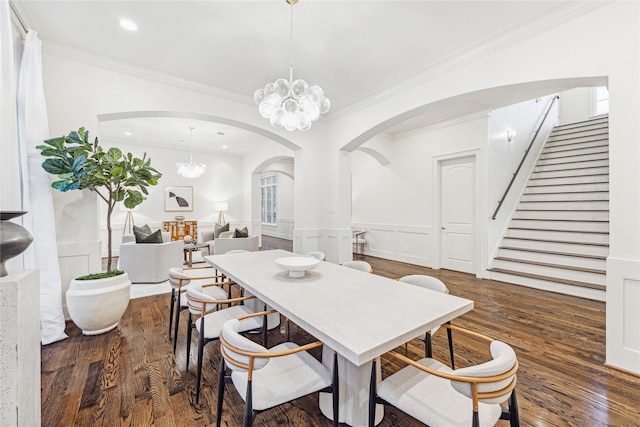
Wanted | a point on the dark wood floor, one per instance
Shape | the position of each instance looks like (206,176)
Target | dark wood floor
(129,377)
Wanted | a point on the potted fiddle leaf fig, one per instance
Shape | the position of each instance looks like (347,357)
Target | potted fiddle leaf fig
(115,177)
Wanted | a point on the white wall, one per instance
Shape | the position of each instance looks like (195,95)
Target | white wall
(575,105)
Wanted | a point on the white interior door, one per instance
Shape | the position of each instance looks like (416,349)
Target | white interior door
(457,213)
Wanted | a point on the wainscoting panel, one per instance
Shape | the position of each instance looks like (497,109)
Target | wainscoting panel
(77,259)
(283,230)
(411,244)
(623,316)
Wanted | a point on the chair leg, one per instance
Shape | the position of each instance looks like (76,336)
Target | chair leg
(475,421)
(189,330)
(173,301)
(221,375)
(177,322)
(514,419)
(265,331)
(450,336)
(336,391)
(248,407)
(372,394)
(287,328)
(200,355)
(428,348)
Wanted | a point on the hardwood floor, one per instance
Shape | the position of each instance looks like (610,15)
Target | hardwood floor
(130,377)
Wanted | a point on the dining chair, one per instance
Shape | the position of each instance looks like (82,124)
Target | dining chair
(180,278)
(317,255)
(209,323)
(435,284)
(359,265)
(438,396)
(266,378)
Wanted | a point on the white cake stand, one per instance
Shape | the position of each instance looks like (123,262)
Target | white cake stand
(297,265)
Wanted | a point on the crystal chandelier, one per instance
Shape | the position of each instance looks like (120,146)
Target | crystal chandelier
(291,104)
(191,169)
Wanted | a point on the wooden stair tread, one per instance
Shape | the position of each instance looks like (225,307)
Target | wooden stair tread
(567,192)
(560,220)
(563,231)
(555,148)
(529,239)
(549,279)
(548,264)
(540,251)
(564,201)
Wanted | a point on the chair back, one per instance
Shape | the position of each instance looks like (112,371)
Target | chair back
(317,255)
(503,367)
(237,251)
(195,296)
(233,347)
(176,275)
(358,265)
(425,281)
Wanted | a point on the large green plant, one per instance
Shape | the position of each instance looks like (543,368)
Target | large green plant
(114,177)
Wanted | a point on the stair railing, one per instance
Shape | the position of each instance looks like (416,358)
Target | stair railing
(515,174)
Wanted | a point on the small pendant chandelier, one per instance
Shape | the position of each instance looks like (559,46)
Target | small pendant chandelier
(191,169)
(291,104)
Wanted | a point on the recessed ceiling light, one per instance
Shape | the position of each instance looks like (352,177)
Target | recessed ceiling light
(128,24)
(224,147)
(128,133)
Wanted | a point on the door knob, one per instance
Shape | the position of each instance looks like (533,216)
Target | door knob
(444,228)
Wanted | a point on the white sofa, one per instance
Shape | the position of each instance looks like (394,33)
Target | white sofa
(222,245)
(150,262)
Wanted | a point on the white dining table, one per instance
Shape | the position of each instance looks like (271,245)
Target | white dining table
(359,315)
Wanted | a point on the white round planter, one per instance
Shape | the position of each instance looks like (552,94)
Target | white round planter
(96,306)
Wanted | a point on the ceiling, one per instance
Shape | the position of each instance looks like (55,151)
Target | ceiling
(354,50)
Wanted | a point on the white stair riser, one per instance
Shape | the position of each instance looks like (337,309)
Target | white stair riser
(578,132)
(570,172)
(562,236)
(575,146)
(602,227)
(580,276)
(573,160)
(573,248)
(570,154)
(569,261)
(594,294)
(562,141)
(549,197)
(592,179)
(591,164)
(587,125)
(563,188)
(574,215)
(595,205)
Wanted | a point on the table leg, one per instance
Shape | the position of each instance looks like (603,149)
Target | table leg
(190,258)
(354,391)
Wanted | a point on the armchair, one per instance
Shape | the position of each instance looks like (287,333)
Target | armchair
(150,262)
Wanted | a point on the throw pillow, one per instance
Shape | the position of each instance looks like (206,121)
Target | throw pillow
(155,237)
(143,229)
(219,229)
(241,233)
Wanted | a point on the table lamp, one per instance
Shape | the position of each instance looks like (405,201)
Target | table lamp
(221,207)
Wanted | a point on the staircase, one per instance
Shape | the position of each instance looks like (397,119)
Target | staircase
(558,237)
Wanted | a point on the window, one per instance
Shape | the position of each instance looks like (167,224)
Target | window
(601,101)
(268,199)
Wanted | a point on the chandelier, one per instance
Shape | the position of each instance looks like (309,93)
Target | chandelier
(291,104)
(191,169)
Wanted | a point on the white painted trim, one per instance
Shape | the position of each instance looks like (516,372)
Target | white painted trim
(623,323)
(283,229)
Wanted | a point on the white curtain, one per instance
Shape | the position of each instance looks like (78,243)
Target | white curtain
(37,198)
(9,186)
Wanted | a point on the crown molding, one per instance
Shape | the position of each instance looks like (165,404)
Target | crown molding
(515,33)
(110,63)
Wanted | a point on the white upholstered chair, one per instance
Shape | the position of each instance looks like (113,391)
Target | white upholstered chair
(180,279)
(317,255)
(358,265)
(209,323)
(435,284)
(150,262)
(438,396)
(266,378)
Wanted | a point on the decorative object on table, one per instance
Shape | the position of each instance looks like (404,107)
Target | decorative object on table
(297,265)
(114,177)
(181,228)
(291,104)
(221,207)
(178,198)
(14,239)
(187,238)
(191,169)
